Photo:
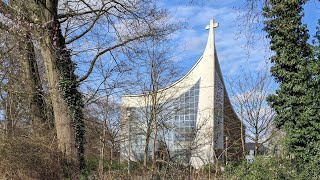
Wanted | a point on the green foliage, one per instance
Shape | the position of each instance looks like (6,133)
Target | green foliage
(116,166)
(296,69)
(92,164)
(270,168)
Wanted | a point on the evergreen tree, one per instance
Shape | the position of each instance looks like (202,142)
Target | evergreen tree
(296,69)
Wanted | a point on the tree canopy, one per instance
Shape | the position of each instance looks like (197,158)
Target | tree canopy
(296,69)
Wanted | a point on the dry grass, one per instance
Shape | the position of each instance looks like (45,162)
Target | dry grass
(32,158)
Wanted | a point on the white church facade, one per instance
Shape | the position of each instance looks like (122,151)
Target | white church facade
(198,125)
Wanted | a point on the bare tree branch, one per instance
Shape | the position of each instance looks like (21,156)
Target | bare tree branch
(86,31)
(109,49)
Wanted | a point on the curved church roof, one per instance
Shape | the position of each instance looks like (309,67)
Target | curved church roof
(206,68)
(210,49)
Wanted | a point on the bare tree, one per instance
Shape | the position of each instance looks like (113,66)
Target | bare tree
(154,69)
(102,105)
(104,116)
(249,94)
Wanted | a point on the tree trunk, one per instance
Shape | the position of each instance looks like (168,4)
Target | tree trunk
(11,103)
(243,145)
(111,153)
(103,138)
(146,147)
(154,96)
(242,139)
(102,149)
(66,99)
(63,86)
(9,114)
(154,138)
(37,104)
(256,144)
(61,110)
(155,133)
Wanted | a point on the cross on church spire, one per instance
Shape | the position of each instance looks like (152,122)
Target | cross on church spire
(212,25)
(210,48)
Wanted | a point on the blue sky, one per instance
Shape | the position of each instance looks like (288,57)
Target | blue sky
(231,37)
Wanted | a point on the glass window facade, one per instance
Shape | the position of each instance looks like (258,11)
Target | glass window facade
(183,122)
(178,123)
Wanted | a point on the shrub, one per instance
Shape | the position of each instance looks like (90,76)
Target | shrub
(272,168)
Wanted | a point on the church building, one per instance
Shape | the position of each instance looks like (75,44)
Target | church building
(196,125)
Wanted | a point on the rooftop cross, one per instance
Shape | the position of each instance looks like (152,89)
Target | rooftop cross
(212,24)
(210,48)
